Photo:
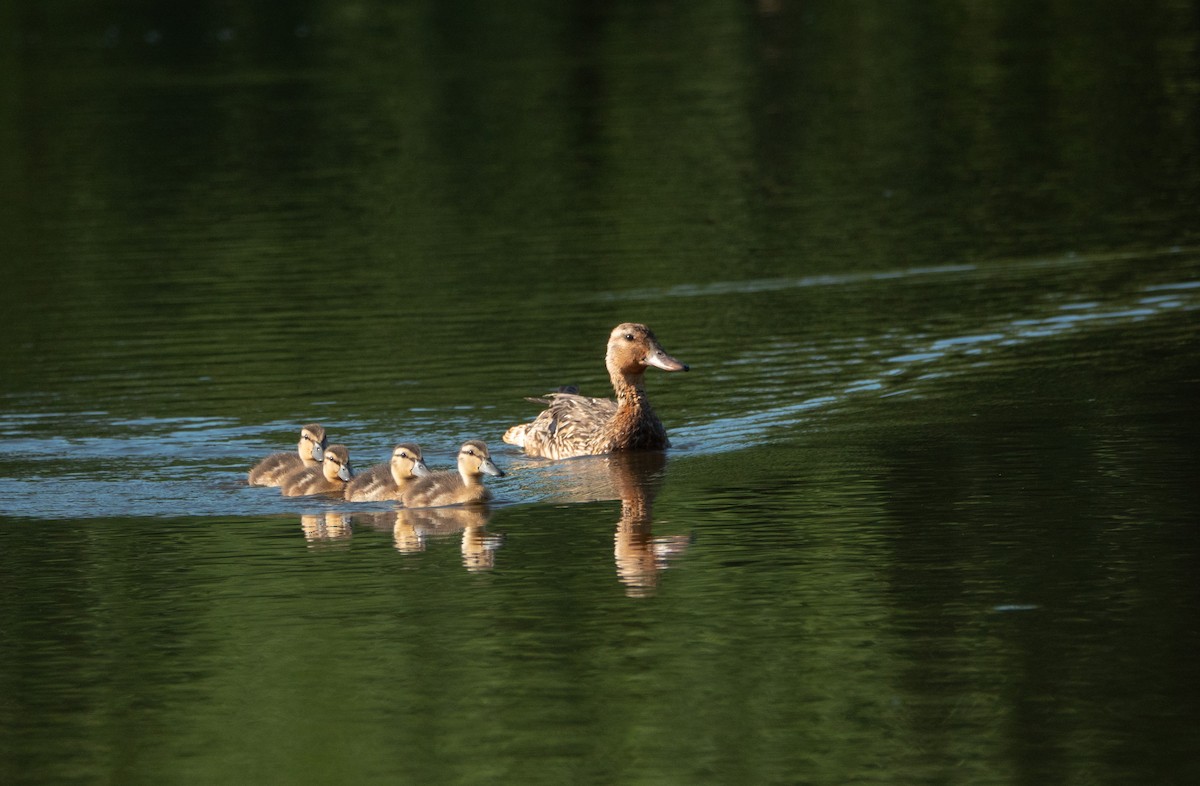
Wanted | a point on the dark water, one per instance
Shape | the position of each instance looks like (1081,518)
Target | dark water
(930,513)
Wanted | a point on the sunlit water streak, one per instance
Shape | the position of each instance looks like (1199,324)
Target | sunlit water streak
(913,274)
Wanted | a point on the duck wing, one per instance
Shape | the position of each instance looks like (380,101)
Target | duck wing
(568,426)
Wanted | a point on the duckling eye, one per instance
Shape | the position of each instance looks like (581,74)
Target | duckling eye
(629,337)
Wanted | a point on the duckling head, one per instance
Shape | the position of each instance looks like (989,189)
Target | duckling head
(632,347)
(474,459)
(407,462)
(336,464)
(312,442)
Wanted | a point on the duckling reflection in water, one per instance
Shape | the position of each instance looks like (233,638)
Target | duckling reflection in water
(449,487)
(324,527)
(329,478)
(574,425)
(408,539)
(479,546)
(272,470)
(388,481)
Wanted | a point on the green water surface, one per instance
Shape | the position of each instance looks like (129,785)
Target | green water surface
(930,510)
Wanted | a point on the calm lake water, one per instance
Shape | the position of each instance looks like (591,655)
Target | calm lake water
(930,512)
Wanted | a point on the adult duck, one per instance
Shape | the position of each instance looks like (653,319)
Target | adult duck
(388,481)
(272,470)
(461,487)
(574,425)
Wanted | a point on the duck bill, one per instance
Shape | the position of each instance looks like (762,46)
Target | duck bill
(660,359)
(487,466)
(317,454)
(419,470)
(344,472)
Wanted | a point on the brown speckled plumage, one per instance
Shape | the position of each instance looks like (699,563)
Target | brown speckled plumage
(574,425)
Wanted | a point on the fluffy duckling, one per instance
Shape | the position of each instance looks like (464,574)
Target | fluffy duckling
(272,470)
(330,477)
(455,488)
(388,481)
(574,425)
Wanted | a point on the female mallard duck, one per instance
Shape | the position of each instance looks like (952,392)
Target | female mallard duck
(574,425)
(330,477)
(388,481)
(272,470)
(455,488)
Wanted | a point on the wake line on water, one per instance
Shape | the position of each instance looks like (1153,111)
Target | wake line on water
(907,360)
(754,286)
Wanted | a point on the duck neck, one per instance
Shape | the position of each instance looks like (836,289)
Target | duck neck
(469,478)
(631,395)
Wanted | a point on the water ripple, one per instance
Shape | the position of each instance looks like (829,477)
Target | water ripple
(121,464)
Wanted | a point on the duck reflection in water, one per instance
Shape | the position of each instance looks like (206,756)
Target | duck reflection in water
(326,527)
(635,480)
(641,557)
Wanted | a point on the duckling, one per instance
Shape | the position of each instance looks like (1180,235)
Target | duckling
(455,488)
(272,470)
(388,481)
(330,477)
(574,425)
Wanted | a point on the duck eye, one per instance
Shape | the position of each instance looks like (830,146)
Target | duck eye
(629,337)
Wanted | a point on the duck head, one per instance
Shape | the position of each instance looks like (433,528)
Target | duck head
(632,347)
(336,465)
(474,459)
(312,442)
(407,462)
